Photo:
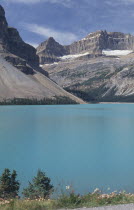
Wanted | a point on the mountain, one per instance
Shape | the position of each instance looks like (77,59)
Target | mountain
(13,48)
(95,42)
(100,67)
(16,84)
(20,74)
(91,46)
(51,49)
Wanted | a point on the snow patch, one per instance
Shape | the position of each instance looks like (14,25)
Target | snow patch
(116,52)
(92,37)
(51,64)
(69,57)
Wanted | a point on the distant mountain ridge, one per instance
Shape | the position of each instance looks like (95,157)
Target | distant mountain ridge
(94,43)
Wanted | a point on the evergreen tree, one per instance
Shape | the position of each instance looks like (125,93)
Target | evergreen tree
(39,188)
(9,187)
(15,185)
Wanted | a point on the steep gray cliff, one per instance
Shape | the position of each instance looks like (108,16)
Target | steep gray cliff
(93,43)
(17,46)
(3,29)
(13,47)
(96,42)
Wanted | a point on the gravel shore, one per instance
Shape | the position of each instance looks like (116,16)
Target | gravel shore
(119,207)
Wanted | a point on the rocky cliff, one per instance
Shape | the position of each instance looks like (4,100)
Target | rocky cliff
(100,40)
(3,30)
(93,44)
(14,48)
(17,46)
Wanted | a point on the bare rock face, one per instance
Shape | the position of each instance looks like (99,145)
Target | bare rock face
(96,42)
(18,47)
(120,41)
(12,44)
(50,50)
(3,29)
(93,43)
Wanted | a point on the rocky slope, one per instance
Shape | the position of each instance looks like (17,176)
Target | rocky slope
(16,84)
(20,74)
(105,78)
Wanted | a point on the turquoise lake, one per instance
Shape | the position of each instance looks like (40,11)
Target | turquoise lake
(87,146)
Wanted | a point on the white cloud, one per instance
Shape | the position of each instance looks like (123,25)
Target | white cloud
(35,45)
(126,1)
(66,3)
(60,36)
(118,2)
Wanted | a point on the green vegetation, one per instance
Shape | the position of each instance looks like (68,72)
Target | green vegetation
(94,95)
(90,95)
(9,186)
(99,78)
(123,99)
(46,101)
(86,96)
(39,188)
(37,195)
(70,201)
(63,73)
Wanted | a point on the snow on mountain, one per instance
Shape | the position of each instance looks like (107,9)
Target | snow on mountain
(69,57)
(116,52)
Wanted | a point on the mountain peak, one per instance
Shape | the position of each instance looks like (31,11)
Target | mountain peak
(51,39)
(50,50)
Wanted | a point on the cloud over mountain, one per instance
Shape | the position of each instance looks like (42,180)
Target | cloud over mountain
(60,36)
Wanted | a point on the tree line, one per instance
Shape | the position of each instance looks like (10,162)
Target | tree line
(39,187)
(57,100)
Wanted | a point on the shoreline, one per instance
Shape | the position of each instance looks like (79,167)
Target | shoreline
(70,200)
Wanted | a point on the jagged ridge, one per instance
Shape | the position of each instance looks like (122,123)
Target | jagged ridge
(94,43)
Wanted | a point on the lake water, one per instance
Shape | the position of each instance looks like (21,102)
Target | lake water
(87,146)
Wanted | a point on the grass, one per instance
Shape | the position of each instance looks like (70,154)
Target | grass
(70,200)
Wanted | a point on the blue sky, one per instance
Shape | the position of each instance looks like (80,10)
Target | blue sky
(68,20)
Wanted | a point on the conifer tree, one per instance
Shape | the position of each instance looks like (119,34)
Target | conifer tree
(9,186)
(39,188)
